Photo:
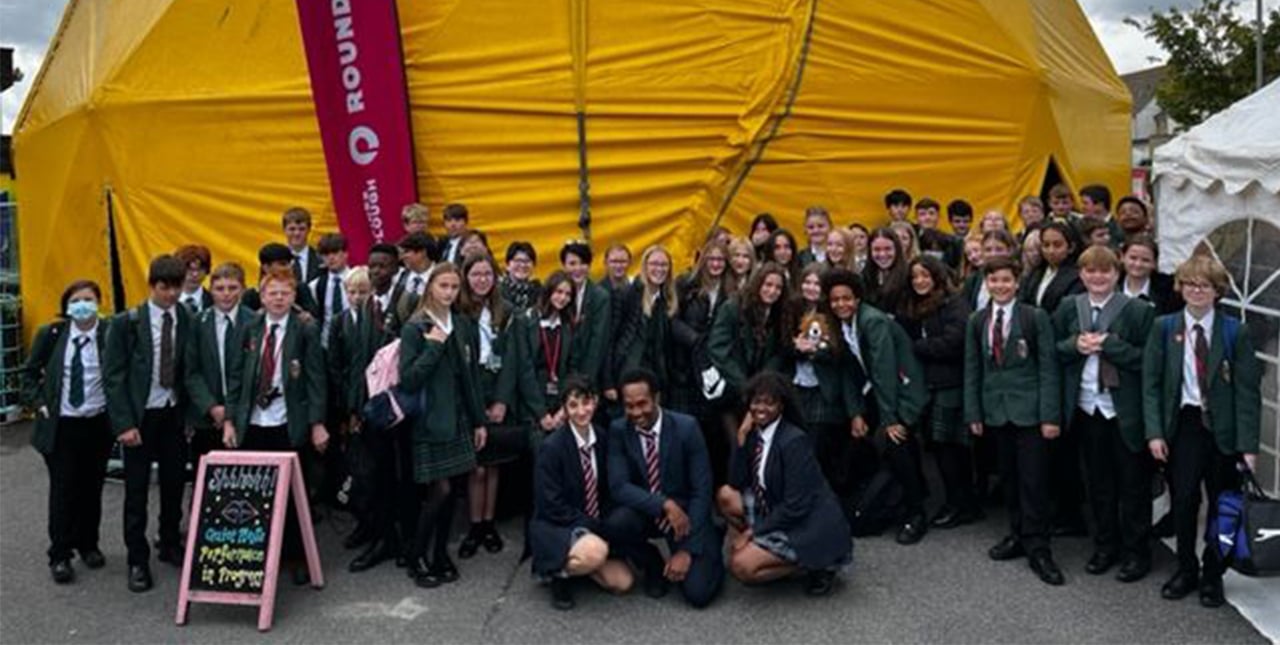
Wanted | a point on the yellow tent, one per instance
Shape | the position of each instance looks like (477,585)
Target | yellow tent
(192,121)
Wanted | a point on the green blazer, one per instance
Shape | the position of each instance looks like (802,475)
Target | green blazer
(353,341)
(591,334)
(302,362)
(532,372)
(499,385)
(652,346)
(735,352)
(1235,398)
(201,372)
(1126,337)
(448,371)
(126,371)
(897,378)
(1025,391)
(42,378)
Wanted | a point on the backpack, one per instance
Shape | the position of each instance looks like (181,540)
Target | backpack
(1246,532)
(1230,330)
(389,404)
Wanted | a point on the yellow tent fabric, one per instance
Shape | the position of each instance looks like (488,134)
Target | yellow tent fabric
(192,121)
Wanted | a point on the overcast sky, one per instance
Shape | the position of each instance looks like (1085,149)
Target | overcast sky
(27,25)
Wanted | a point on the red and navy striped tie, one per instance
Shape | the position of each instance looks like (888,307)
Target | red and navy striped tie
(589,483)
(650,440)
(757,481)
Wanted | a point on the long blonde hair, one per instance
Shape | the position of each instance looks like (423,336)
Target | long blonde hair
(423,308)
(668,288)
(733,282)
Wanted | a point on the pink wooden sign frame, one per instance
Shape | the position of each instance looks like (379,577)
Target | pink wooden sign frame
(288,481)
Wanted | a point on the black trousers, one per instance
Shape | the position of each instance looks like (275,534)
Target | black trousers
(901,459)
(276,439)
(164,443)
(77,467)
(833,444)
(1194,459)
(955,464)
(1024,469)
(381,515)
(406,502)
(631,531)
(1119,487)
(1066,487)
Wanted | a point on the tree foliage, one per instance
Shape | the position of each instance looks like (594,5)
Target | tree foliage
(1210,62)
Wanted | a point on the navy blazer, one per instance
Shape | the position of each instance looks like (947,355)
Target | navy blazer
(798,500)
(684,470)
(559,498)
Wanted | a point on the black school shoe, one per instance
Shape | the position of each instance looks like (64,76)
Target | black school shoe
(1044,566)
(140,578)
(470,542)
(1180,585)
(1008,549)
(1211,594)
(93,558)
(820,583)
(443,568)
(1133,569)
(561,594)
(912,531)
(1100,563)
(62,572)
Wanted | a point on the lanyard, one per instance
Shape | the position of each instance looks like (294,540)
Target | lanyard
(551,353)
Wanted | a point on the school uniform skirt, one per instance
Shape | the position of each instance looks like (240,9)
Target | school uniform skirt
(817,412)
(436,460)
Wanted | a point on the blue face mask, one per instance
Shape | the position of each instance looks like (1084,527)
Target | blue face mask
(82,310)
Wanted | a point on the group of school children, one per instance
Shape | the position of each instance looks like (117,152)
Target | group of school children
(749,414)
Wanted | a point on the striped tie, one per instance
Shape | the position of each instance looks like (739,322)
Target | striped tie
(650,440)
(592,495)
(757,481)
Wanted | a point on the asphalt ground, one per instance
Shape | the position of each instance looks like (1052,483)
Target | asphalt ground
(944,589)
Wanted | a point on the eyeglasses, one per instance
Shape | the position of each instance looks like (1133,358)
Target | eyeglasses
(1197,286)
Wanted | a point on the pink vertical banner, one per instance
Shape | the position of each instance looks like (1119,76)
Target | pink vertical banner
(358,85)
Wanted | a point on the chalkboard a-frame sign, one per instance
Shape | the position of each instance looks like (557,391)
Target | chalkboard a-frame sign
(236,531)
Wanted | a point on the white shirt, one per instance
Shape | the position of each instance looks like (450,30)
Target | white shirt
(95,400)
(1191,394)
(984,296)
(194,300)
(1007,322)
(1145,290)
(416,282)
(445,325)
(162,397)
(589,445)
(302,257)
(1049,274)
(277,413)
(805,376)
(657,434)
(766,438)
(332,291)
(819,253)
(222,323)
(579,298)
(487,336)
(384,301)
(1093,399)
(850,330)
(451,251)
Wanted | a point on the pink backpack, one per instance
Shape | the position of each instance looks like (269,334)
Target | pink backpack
(383,372)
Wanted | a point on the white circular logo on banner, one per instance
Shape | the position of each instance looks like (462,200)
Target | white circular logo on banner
(362,143)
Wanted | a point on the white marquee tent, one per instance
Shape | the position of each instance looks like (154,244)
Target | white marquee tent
(1218,185)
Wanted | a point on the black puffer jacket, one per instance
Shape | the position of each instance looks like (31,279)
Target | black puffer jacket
(939,342)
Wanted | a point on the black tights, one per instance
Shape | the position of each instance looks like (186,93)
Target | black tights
(439,503)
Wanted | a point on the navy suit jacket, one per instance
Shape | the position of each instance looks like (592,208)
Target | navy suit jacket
(684,472)
(560,498)
(798,500)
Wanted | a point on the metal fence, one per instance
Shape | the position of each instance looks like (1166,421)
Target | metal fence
(10,313)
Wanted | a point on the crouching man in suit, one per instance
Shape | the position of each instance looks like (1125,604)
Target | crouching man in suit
(571,497)
(783,515)
(660,481)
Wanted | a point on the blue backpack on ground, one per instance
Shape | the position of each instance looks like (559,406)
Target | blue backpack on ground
(1247,530)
